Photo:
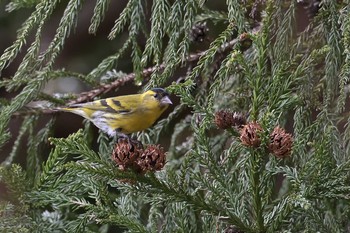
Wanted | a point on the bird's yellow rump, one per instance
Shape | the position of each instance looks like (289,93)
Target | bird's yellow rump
(124,114)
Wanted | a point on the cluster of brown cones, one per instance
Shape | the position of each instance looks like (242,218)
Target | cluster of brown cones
(130,155)
(280,142)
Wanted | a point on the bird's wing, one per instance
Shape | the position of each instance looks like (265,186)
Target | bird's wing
(115,105)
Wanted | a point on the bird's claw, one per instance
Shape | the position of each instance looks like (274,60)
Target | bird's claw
(132,142)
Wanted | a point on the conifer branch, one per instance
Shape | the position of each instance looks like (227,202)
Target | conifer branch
(247,174)
(105,88)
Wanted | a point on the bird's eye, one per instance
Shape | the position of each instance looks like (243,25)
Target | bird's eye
(156,95)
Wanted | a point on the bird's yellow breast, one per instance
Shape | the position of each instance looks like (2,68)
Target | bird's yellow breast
(136,121)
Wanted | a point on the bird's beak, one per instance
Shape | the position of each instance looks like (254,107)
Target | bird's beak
(165,100)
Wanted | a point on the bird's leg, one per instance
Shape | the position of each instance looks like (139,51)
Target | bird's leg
(121,136)
(130,140)
(136,142)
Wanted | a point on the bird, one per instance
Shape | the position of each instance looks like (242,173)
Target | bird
(122,115)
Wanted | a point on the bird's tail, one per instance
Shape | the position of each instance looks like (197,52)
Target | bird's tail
(74,109)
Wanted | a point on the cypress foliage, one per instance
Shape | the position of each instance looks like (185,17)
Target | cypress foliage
(259,140)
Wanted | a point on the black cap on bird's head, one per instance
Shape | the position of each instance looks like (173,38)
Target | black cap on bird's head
(162,96)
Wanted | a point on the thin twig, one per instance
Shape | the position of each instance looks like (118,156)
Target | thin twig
(89,95)
(105,88)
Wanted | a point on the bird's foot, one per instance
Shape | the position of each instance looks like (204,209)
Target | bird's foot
(132,142)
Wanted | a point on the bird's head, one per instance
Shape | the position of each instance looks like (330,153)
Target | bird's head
(157,97)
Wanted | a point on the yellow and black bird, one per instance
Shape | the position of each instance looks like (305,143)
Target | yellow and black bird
(126,114)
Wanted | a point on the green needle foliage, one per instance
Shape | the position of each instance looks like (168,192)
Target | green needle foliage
(281,163)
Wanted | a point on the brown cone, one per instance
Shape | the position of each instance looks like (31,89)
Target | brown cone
(225,119)
(250,134)
(280,142)
(126,153)
(152,158)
